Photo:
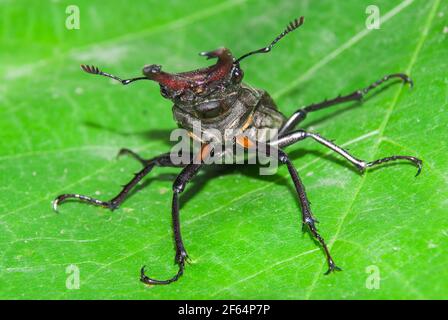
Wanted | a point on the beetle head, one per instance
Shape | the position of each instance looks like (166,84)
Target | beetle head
(219,79)
(213,83)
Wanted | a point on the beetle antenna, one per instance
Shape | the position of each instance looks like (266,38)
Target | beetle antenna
(289,28)
(95,70)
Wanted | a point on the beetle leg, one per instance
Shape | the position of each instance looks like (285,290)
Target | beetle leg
(181,254)
(301,114)
(307,217)
(129,152)
(163,160)
(299,135)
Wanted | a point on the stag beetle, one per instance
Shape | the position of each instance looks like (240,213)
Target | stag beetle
(217,98)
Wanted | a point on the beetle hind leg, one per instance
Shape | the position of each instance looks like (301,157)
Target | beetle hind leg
(136,156)
(163,160)
(61,198)
(114,202)
(357,95)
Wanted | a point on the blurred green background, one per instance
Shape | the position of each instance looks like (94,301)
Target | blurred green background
(60,130)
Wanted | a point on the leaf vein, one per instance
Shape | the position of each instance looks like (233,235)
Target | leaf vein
(381,130)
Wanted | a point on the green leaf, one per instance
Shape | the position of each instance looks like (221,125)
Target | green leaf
(61,129)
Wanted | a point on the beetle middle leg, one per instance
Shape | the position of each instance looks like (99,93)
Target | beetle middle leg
(357,95)
(299,135)
(163,160)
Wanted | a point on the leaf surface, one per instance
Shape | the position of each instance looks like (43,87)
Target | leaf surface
(61,129)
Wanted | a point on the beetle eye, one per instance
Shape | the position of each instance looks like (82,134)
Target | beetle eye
(164,92)
(152,69)
(237,74)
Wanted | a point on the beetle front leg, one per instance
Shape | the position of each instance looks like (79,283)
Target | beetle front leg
(299,135)
(357,95)
(181,254)
(307,217)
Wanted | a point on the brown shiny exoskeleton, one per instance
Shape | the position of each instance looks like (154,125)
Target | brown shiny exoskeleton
(217,98)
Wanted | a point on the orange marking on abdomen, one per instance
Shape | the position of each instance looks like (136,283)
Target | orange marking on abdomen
(244,142)
(204,153)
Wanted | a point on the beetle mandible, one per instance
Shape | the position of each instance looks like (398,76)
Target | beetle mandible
(217,97)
